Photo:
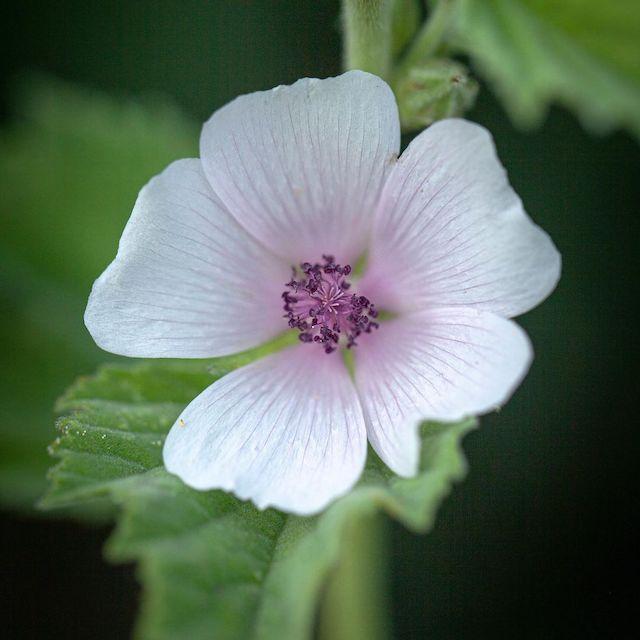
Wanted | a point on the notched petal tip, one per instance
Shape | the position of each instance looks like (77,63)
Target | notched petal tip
(444,365)
(285,432)
(302,166)
(450,230)
(179,285)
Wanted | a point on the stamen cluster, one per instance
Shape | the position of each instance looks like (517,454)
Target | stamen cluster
(318,303)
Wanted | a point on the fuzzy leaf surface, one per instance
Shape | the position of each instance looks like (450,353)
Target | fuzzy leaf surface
(71,165)
(211,565)
(582,54)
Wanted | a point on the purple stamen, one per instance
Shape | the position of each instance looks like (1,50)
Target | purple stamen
(321,308)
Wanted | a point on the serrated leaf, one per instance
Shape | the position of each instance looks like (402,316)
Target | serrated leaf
(211,565)
(581,53)
(71,164)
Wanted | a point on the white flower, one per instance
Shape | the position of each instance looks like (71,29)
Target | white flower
(308,175)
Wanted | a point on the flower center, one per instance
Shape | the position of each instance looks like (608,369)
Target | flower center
(319,304)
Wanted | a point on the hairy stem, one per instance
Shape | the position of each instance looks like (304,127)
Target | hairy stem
(367,35)
(355,605)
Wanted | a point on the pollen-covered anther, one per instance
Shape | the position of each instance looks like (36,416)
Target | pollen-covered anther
(319,303)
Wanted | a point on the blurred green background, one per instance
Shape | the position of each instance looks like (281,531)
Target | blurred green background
(540,540)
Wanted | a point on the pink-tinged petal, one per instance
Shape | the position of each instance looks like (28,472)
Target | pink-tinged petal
(302,166)
(442,364)
(188,281)
(450,230)
(286,431)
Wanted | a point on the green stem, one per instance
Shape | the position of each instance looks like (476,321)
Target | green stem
(429,38)
(355,602)
(367,27)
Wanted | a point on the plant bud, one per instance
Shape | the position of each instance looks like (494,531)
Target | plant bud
(435,90)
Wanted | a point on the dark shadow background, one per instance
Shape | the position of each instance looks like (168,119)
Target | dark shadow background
(540,541)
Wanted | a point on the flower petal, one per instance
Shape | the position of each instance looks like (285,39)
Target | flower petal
(302,166)
(450,230)
(442,364)
(188,281)
(286,431)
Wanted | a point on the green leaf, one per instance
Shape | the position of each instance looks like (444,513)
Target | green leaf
(211,565)
(71,164)
(581,53)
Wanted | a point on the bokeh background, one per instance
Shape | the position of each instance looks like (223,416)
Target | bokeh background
(540,541)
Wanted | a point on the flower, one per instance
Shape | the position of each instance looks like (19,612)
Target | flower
(259,235)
